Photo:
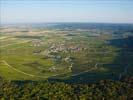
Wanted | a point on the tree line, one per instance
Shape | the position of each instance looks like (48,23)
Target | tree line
(35,90)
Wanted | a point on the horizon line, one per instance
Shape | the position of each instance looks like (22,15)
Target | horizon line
(65,22)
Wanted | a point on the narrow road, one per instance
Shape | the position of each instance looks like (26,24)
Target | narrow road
(25,72)
(126,69)
(80,73)
(16,69)
(124,72)
(20,70)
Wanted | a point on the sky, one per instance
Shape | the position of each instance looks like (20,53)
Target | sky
(32,11)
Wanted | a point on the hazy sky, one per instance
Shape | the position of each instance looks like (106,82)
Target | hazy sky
(114,11)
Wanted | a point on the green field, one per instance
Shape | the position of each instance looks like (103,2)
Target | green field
(57,54)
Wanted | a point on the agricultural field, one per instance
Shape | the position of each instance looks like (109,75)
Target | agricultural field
(66,52)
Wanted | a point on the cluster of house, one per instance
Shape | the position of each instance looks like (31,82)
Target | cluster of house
(66,59)
(65,48)
(55,48)
(55,68)
(57,58)
(36,43)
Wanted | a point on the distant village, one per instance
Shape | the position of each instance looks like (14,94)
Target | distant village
(53,49)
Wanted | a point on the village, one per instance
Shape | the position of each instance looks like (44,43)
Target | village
(60,52)
(54,52)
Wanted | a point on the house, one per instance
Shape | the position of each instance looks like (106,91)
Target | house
(53,68)
(70,67)
(37,43)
